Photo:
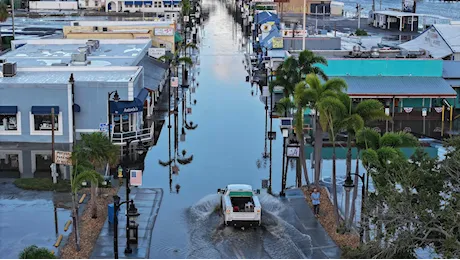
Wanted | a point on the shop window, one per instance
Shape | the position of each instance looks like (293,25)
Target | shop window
(9,165)
(9,123)
(41,124)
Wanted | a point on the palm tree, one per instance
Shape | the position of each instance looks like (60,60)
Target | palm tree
(34,252)
(333,114)
(97,150)
(317,92)
(380,151)
(284,106)
(3,17)
(365,111)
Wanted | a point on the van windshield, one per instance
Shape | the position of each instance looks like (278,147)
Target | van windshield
(240,194)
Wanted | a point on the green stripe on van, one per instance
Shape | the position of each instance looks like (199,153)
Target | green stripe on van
(240,194)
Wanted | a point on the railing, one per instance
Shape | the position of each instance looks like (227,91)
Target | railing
(144,135)
(415,113)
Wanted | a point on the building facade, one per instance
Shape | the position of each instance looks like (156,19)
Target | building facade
(313,7)
(170,9)
(161,33)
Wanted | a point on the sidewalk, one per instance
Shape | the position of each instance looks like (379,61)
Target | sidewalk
(148,203)
(322,245)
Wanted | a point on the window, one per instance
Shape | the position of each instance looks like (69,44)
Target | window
(10,164)
(10,120)
(104,29)
(175,6)
(41,121)
(44,123)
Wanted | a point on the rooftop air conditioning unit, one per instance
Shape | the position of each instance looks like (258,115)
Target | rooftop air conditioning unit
(356,51)
(62,64)
(9,69)
(79,57)
(85,49)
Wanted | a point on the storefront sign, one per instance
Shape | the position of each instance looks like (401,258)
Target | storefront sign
(293,151)
(157,52)
(297,33)
(130,110)
(277,43)
(164,31)
(408,6)
(64,158)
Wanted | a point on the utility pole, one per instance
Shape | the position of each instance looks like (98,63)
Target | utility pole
(316,19)
(12,18)
(53,167)
(304,28)
(373,6)
(358,9)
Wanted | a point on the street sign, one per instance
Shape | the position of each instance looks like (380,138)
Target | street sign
(175,169)
(174,82)
(265,91)
(424,112)
(293,151)
(103,127)
(271,135)
(135,177)
(264,184)
(62,157)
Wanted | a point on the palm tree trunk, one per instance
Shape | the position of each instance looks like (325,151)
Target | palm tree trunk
(334,184)
(75,222)
(348,173)
(355,192)
(302,145)
(93,200)
(317,149)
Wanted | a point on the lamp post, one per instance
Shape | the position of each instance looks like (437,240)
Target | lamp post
(131,213)
(285,133)
(363,196)
(116,98)
(348,185)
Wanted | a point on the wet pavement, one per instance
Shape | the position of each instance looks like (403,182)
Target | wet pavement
(148,203)
(27,218)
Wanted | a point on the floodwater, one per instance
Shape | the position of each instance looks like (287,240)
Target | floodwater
(27,218)
(227,148)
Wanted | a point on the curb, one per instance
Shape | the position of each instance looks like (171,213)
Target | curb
(152,220)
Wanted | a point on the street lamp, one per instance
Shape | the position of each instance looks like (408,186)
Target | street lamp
(133,227)
(348,185)
(363,196)
(131,212)
(116,98)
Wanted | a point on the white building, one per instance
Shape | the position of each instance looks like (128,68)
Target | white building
(91,4)
(170,9)
(53,5)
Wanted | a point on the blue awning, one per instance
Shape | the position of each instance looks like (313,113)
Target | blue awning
(76,108)
(44,110)
(148,2)
(138,2)
(129,3)
(8,110)
(127,107)
(176,2)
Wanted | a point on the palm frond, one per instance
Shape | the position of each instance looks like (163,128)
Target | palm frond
(186,60)
(368,138)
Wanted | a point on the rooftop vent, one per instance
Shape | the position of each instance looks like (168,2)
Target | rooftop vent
(85,49)
(375,52)
(9,69)
(94,43)
(78,57)
(62,64)
(356,51)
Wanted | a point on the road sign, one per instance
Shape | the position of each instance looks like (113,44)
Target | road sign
(174,82)
(189,110)
(293,151)
(135,177)
(424,112)
(62,157)
(265,91)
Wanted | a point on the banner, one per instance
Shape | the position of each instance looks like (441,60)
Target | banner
(277,43)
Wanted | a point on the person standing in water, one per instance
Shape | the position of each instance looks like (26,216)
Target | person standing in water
(315,199)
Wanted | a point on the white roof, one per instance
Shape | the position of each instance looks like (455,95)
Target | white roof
(239,187)
(440,40)
(451,35)
(395,13)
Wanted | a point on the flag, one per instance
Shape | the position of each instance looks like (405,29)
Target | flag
(135,177)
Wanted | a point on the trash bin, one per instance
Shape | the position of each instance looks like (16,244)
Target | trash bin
(110,209)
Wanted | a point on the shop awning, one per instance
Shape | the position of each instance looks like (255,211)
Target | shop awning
(138,2)
(8,110)
(127,107)
(177,37)
(44,110)
(402,87)
(148,2)
(129,3)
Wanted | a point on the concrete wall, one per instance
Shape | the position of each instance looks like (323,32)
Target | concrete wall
(53,5)
(121,32)
(313,43)
(384,67)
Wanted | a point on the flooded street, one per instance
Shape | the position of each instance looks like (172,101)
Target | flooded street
(227,148)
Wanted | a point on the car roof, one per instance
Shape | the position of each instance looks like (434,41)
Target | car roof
(239,187)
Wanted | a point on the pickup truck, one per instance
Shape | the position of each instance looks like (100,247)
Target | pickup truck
(240,206)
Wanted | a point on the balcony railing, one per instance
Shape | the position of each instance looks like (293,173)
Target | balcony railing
(145,135)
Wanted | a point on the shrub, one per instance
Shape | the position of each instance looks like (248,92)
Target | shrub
(42,184)
(361,32)
(34,252)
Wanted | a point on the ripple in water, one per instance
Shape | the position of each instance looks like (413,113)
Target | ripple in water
(276,238)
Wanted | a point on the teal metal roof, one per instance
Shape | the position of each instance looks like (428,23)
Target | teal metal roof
(399,86)
(451,69)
